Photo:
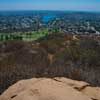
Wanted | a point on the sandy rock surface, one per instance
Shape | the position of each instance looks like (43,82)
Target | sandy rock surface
(51,89)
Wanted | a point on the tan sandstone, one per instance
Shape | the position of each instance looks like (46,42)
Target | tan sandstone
(51,89)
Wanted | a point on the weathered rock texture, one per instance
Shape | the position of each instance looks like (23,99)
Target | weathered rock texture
(51,89)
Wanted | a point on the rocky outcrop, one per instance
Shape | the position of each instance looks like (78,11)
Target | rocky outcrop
(51,89)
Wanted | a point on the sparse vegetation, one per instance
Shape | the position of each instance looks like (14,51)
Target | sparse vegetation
(76,59)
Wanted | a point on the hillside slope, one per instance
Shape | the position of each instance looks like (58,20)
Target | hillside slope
(56,55)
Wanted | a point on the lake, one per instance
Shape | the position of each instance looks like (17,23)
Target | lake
(48,17)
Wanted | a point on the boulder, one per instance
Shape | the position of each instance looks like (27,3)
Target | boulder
(51,89)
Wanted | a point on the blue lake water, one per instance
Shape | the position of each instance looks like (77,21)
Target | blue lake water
(48,17)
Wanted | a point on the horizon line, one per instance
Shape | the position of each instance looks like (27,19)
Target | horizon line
(51,10)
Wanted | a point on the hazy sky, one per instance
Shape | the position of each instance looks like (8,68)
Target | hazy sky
(83,5)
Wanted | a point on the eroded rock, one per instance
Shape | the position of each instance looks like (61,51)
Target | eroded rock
(51,89)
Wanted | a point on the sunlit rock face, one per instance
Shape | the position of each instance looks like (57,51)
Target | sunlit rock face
(51,89)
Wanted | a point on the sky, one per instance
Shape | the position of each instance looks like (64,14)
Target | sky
(74,5)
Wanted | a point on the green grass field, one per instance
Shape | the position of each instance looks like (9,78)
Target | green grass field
(32,35)
(27,36)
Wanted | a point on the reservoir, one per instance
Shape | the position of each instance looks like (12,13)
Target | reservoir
(48,18)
